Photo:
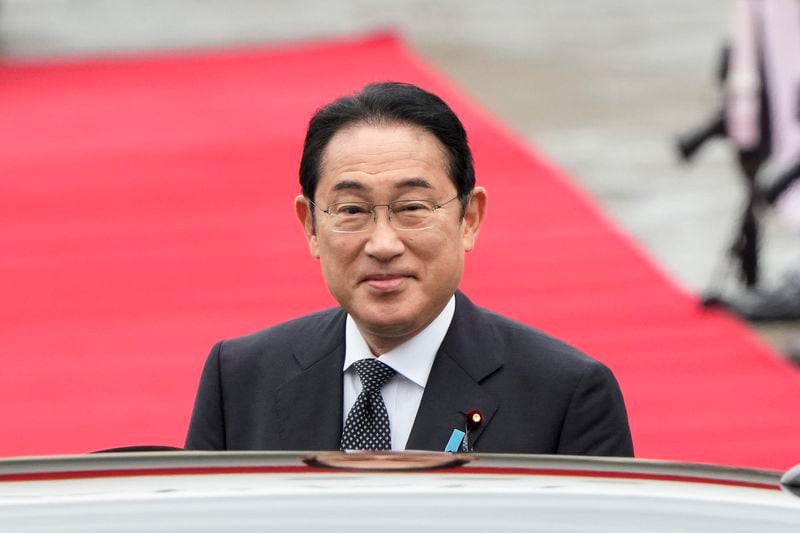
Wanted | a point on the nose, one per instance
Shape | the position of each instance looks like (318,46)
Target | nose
(384,243)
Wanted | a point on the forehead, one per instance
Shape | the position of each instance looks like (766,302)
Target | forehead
(376,158)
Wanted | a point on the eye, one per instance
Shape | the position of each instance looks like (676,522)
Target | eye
(411,206)
(351,209)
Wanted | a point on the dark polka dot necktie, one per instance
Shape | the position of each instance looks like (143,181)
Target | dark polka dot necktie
(367,424)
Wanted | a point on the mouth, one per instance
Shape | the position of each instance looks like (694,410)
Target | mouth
(386,282)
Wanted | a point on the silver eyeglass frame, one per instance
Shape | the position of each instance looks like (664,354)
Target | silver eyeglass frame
(374,213)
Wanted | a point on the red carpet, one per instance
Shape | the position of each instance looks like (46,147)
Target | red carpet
(146,211)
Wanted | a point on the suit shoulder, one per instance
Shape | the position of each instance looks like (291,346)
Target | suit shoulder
(522,342)
(308,328)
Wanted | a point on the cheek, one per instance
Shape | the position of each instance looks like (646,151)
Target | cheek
(423,245)
(443,242)
(437,253)
(337,255)
(341,245)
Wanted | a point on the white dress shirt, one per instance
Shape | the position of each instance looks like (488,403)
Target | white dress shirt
(412,361)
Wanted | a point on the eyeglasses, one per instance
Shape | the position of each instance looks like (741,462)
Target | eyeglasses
(406,215)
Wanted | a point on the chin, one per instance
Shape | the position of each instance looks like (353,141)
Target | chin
(389,324)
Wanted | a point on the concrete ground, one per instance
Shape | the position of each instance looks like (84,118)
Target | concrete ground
(601,88)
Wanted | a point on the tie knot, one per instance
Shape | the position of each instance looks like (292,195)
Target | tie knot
(373,374)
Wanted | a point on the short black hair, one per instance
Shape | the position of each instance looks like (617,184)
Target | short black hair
(389,103)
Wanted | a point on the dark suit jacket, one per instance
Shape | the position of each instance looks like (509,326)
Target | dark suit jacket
(281,389)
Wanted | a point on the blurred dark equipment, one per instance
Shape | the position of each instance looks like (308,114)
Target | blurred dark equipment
(794,351)
(777,304)
(743,251)
(781,184)
(690,143)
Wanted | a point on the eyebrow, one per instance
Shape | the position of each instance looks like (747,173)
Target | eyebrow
(352,185)
(414,183)
(349,185)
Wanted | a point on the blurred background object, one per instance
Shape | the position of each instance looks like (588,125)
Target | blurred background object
(759,78)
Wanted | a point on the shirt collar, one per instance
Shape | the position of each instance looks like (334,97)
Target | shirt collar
(414,358)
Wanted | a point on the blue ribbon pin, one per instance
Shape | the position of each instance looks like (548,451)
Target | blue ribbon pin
(455,441)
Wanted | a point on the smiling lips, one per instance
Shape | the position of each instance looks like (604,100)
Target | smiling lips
(385,282)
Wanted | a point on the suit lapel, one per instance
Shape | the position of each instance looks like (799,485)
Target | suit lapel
(465,358)
(310,403)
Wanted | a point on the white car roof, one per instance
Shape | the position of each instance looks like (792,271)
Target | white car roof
(247,491)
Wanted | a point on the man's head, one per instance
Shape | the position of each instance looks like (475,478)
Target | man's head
(389,103)
(392,267)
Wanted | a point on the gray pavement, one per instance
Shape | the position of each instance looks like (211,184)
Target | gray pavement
(600,87)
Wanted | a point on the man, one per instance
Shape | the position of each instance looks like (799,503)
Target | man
(389,208)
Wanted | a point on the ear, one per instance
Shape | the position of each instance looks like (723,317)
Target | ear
(303,211)
(476,209)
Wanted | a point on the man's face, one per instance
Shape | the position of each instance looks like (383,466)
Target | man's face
(392,282)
